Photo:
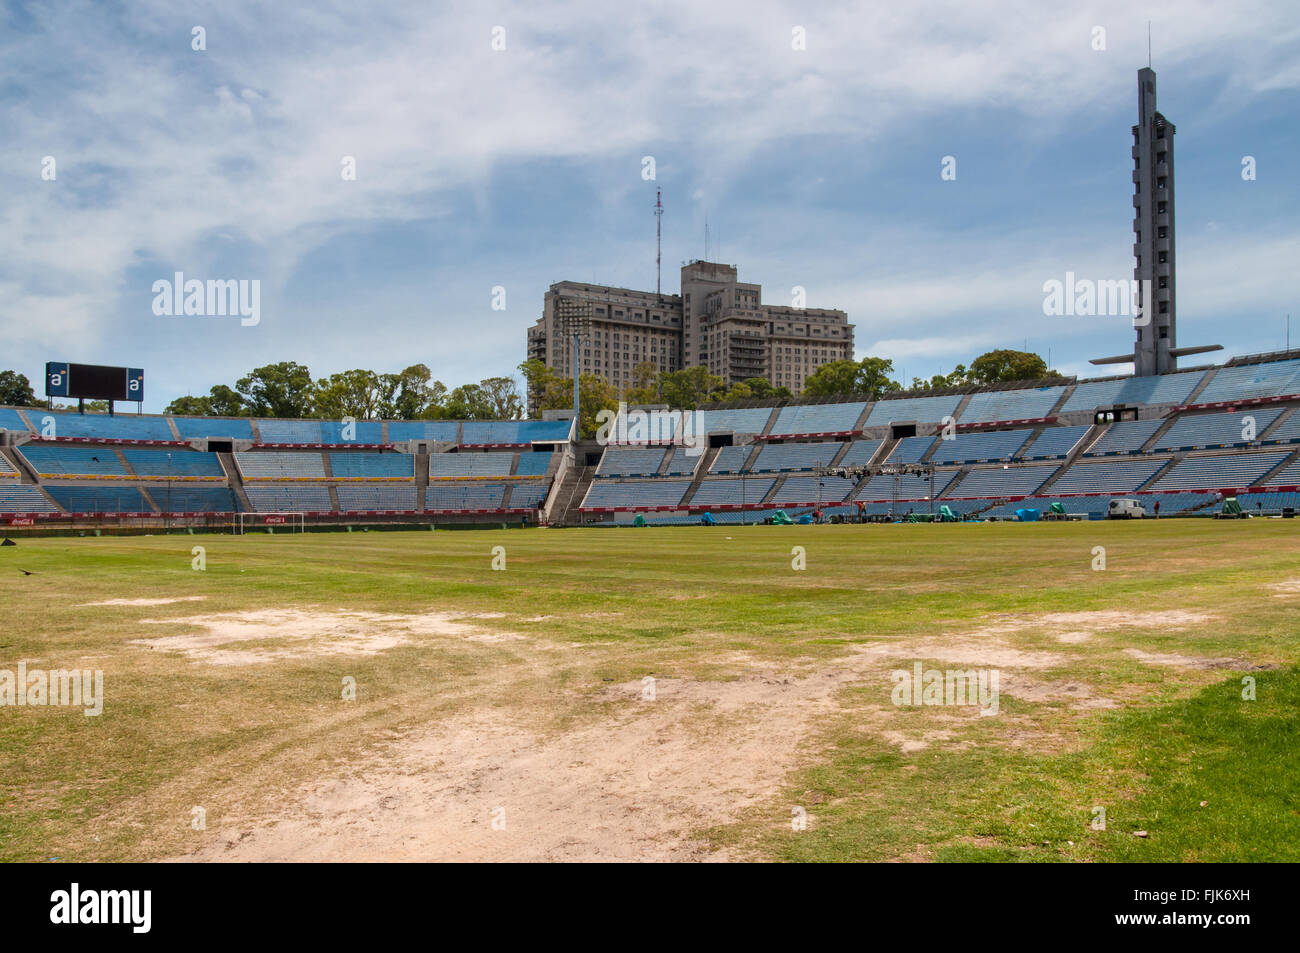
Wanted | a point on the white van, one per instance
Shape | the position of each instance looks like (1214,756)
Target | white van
(1125,510)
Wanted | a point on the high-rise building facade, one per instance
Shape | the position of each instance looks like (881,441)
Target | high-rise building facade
(717,321)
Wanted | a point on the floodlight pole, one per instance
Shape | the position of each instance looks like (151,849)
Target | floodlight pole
(574,319)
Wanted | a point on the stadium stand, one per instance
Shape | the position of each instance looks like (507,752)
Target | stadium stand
(480,433)
(609,493)
(910,486)
(24,498)
(173,463)
(280,465)
(1054,442)
(810,490)
(1239,470)
(1248,381)
(1197,431)
(860,453)
(536,464)
(731,459)
(619,462)
(372,466)
(224,428)
(1002,481)
(911,449)
(10,419)
(104,498)
(434,431)
(817,419)
(920,409)
(451,465)
(682,463)
(465,495)
(288,497)
(1287,476)
(6,468)
(1124,436)
(779,457)
(732,492)
(1028,404)
(979,447)
(62,460)
(104,427)
(194,499)
(1111,476)
(748,420)
(1164,389)
(528,495)
(376,496)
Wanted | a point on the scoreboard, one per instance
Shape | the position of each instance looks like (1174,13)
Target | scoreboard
(93,381)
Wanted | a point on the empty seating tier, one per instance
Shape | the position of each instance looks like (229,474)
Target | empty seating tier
(629,462)
(273,465)
(173,463)
(1054,442)
(1252,380)
(1028,404)
(99,499)
(975,447)
(1196,431)
(1222,470)
(731,492)
(1125,436)
(58,460)
(24,498)
(608,494)
(452,465)
(1003,481)
(372,466)
(920,409)
(1131,391)
(818,418)
(1112,476)
(779,457)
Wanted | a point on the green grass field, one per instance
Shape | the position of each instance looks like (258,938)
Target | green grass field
(660,694)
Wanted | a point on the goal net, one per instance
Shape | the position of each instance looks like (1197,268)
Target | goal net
(271,523)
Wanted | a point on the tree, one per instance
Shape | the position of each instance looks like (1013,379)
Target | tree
(502,394)
(998,367)
(226,402)
(190,406)
(277,390)
(409,395)
(868,378)
(688,388)
(355,393)
(958,378)
(644,388)
(16,390)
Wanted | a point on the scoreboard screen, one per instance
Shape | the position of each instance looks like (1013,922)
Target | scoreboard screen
(93,381)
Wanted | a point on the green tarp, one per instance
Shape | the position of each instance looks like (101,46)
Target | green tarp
(781,519)
(1058,508)
(1231,507)
(639,521)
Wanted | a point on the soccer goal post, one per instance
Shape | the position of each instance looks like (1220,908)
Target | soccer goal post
(271,522)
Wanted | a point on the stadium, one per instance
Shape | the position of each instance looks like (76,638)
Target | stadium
(1187,440)
(802,613)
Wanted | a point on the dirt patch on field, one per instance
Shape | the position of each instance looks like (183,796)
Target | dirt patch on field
(632,785)
(252,638)
(144,602)
(1188,661)
(1289,587)
(1079,626)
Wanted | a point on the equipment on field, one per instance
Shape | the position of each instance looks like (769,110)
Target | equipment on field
(640,520)
(779,518)
(708,520)
(1027,515)
(946,515)
(1232,509)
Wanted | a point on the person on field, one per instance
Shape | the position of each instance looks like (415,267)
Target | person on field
(1157,509)
(862,512)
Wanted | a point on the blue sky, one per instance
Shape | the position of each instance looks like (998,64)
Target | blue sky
(519,167)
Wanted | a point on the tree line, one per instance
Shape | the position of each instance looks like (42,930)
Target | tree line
(287,389)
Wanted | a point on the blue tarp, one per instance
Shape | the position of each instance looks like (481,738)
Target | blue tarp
(1027,515)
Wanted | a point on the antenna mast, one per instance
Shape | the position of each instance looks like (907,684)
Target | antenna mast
(659,241)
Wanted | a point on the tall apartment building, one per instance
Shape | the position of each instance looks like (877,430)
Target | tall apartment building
(717,321)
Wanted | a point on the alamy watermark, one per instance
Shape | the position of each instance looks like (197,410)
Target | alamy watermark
(71,688)
(1084,297)
(975,687)
(213,298)
(680,428)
